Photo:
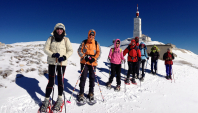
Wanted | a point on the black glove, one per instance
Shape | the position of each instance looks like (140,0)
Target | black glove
(62,59)
(87,58)
(92,60)
(55,55)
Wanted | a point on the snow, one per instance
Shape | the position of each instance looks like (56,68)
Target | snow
(23,92)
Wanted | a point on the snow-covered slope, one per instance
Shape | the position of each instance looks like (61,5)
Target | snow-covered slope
(22,84)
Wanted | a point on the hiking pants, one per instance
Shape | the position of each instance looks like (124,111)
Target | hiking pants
(115,69)
(51,71)
(84,76)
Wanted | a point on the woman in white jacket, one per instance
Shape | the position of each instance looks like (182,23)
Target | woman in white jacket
(56,47)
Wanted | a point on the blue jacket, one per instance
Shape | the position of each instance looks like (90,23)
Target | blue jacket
(144,55)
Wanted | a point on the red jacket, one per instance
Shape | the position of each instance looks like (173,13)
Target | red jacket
(168,57)
(133,53)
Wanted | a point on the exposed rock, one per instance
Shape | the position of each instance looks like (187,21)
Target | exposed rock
(8,51)
(21,65)
(22,69)
(5,73)
(33,69)
(73,64)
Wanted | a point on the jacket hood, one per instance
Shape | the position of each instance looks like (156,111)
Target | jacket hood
(90,31)
(144,44)
(115,43)
(56,26)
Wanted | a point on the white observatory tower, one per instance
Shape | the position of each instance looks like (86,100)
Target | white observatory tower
(137,25)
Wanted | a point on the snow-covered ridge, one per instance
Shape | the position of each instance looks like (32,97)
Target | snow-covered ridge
(23,83)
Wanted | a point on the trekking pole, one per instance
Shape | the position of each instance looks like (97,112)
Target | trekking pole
(63,85)
(126,77)
(173,74)
(54,80)
(98,83)
(68,101)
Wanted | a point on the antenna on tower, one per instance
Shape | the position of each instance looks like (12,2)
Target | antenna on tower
(137,12)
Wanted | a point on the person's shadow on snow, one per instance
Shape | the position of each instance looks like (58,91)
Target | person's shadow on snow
(31,85)
(67,86)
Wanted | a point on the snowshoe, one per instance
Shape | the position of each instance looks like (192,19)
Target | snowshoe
(127,81)
(57,107)
(117,88)
(108,85)
(91,100)
(81,100)
(133,81)
(45,107)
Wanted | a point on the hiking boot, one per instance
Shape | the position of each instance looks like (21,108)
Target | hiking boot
(167,77)
(142,79)
(133,81)
(127,81)
(90,96)
(81,97)
(45,105)
(108,85)
(170,77)
(117,88)
(58,105)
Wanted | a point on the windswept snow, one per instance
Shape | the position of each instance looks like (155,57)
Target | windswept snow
(23,91)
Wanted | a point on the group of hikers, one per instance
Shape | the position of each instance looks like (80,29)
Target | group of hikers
(58,49)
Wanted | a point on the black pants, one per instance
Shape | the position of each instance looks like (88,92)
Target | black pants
(51,71)
(115,69)
(132,69)
(84,76)
(138,67)
(143,63)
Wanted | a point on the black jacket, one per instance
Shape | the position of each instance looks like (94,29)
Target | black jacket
(154,56)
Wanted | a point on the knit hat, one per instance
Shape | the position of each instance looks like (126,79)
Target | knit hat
(59,25)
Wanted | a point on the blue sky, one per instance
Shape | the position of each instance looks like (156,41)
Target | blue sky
(167,21)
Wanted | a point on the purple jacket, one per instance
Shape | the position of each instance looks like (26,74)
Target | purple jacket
(115,56)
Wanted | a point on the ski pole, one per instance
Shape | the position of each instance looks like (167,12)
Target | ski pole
(68,101)
(54,80)
(63,85)
(98,83)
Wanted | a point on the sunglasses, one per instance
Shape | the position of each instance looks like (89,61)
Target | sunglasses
(59,28)
(117,43)
(91,35)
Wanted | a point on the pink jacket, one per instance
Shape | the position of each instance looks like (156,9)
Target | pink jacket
(116,57)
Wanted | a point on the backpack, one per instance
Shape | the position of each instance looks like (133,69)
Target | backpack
(65,38)
(113,50)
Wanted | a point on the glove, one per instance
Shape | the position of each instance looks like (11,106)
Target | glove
(148,58)
(124,60)
(55,55)
(87,58)
(92,60)
(170,58)
(62,59)
(167,58)
(108,59)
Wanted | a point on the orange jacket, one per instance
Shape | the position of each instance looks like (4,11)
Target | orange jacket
(89,49)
